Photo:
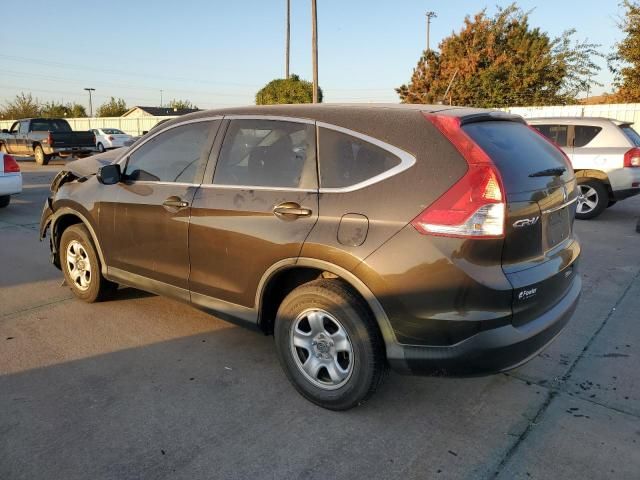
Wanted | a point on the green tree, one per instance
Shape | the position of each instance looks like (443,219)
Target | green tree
(287,90)
(502,61)
(114,107)
(181,104)
(60,110)
(625,62)
(22,106)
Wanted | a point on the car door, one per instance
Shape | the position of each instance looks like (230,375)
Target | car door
(11,141)
(255,210)
(23,145)
(147,226)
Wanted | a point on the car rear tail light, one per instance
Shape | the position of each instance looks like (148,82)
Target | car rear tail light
(50,139)
(111,139)
(10,164)
(632,158)
(475,205)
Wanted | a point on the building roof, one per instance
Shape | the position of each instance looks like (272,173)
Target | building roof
(162,111)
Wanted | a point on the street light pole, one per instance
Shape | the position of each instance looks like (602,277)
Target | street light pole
(429,15)
(90,103)
(314,48)
(288,41)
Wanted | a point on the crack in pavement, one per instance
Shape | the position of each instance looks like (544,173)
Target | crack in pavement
(35,307)
(552,393)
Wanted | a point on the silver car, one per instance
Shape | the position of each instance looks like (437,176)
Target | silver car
(605,155)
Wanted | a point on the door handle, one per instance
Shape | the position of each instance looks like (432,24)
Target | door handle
(175,202)
(290,209)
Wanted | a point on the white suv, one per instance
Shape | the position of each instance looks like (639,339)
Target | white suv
(605,155)
(10,179)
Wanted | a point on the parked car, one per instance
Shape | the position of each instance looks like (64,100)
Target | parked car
(44,138)
(605,155)
(10,179)
(435,240)
(108,138)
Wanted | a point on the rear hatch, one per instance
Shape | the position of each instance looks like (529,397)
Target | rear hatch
(539,247)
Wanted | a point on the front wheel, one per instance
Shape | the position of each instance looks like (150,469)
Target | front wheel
(81,266)
(101,148)
(593,198)
(329,345)
(41,158)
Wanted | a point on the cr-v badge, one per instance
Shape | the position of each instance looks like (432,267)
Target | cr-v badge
(526,222)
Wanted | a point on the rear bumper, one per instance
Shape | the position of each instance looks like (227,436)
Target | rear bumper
(67,150)
(490,351)
(10,184)
(622,194)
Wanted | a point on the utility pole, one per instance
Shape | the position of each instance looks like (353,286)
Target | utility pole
(288,40)
(160,98)
(314,48)
(90,103)
(429,15)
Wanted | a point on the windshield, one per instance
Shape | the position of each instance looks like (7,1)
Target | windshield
(631,135)
(113,131)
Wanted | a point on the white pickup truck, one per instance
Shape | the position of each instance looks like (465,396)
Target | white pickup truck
(605,155)
(10,179)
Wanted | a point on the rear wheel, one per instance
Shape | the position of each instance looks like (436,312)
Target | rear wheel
(4,200)
(592,198)
(81,266)
(101,148)
(41,158)
(329,345)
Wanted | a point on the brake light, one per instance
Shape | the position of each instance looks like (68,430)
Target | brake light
(475,205)
(10,164)
(50,139)
(632,158)
(111,139)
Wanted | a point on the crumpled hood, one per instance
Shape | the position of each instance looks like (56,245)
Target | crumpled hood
(90,165)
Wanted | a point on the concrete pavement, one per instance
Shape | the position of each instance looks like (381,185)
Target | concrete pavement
(146,387)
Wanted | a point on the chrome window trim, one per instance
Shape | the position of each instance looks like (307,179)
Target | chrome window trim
(126,156)
(406,159)
(153,182)
(560,207)
(252,187)
(270,117)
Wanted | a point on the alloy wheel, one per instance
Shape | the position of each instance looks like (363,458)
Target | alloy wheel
(587,199)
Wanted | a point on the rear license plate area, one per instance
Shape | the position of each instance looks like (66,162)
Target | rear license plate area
(557,227)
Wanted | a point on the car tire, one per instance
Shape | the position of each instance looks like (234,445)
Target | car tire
(329,345)
(81,266)
(592,200)
(5,200)
(101,148)
(41,158)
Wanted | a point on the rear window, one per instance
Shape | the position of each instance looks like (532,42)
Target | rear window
(112,131)
(346,160)
(557,133)
(583,134)
(517,151)
(50,126)
(631,135)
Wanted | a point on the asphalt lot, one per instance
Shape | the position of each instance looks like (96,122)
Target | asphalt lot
(146,387)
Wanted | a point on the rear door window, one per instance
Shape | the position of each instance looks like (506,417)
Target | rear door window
(558,133)
(346,160)
(268,153)
(583,134)
(631,134)
(518,152)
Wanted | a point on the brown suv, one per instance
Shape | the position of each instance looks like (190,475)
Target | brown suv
(431,239)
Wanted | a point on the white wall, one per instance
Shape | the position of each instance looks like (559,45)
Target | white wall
(628,112)
(132,126)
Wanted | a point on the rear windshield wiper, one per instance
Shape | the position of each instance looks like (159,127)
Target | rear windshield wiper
(549,172)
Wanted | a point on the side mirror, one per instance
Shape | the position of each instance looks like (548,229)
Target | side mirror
(109,174)
(144,132)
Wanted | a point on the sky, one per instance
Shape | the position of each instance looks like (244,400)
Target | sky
(218,53)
